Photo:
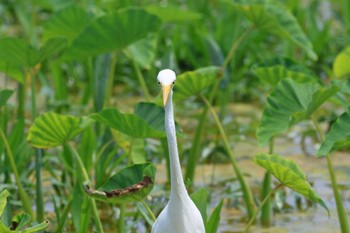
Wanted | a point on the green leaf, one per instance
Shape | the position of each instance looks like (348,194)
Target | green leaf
(338,136)
(173,14)
(52,129)
(15,51)
(4,96)
(193,82)
(81,210)
(129,185)
(214,220)
(289,174)
(144,51)
(4,229)
(52,47)
(36,228)
(129,124)
(341,63)
(344,87)
(13,71)
(18,54)
(87,147)
(151,113)
(113,31)
(21,220)
(67,23)
(274,70)
(145,213)
(290,103)
(273,17)
(200,199)
(138,154)
(3,200)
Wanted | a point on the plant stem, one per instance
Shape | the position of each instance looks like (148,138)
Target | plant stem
(39,192)
(141,79)
(344,224)
(38,157)
(196,146)
(109,86)
(121,224)
(22,193)
(266,189)
(86,178)
(21,95)
(251,221)
(66,209)
(246,191)
(148,210)
(235,45)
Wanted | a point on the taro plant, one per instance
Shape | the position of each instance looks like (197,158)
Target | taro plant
(270,17)
(338,135)
(12,144)
(51,130)
(289,175)
(90,35)
(21,61)
(293,100)
(273,18)
(18,222)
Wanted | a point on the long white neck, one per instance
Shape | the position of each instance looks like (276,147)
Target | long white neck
(177,184)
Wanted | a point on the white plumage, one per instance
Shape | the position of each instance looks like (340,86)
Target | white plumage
(180,215)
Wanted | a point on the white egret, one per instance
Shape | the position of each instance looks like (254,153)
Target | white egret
(180,215)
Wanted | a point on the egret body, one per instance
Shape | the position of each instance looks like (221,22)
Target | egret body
(180,215)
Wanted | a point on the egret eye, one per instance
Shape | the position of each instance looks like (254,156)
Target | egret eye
(173,82)
(158,83)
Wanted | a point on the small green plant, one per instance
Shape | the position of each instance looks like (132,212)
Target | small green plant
(18,222)
(289,175)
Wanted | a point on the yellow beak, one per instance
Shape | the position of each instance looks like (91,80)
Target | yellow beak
(166,93)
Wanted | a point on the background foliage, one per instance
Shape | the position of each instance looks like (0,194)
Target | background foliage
(78,79)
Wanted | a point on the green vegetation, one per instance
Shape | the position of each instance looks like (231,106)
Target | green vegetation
(81,122)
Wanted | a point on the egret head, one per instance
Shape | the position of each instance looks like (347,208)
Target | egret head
(166,79)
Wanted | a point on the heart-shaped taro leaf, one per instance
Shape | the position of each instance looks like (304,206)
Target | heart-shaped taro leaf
(193,82)
(290,103)
(130,184)
(113,31)
(289,174)
(52,129)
